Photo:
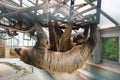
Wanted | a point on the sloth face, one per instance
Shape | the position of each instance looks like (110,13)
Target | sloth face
(17,50)
(78,39)
(22,53)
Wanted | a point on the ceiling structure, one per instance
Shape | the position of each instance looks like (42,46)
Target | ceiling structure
(20,15)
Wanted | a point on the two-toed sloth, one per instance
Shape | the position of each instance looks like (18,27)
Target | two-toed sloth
(61,59)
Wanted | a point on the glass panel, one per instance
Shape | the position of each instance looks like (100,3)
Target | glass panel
(16,1)
(34,1)
(12,42)
(19,41)
(27,3)
(111,7)
(105,23)
(110,48)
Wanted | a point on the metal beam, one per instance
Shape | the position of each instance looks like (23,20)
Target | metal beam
(110,18)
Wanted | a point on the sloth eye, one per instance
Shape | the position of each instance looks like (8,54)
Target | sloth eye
(79,36)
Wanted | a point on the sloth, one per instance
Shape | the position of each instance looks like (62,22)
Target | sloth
(61,41)
(64,60)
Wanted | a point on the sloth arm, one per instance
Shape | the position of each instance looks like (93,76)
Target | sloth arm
(92,40)
(86,31)
(42,40)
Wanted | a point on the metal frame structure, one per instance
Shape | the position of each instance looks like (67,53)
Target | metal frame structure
(15,13)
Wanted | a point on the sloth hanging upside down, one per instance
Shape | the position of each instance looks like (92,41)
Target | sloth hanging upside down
(63,55)
(62,42)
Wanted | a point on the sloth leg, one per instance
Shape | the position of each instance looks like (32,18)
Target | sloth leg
(65,42)
(52,36)
(86,31)
(58,34)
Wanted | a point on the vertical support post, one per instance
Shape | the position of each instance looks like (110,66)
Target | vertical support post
(35,11)
(71,9)
(98,11)
(20,19)
(45,9)
(98,51)
(36,4)
(119,48)
(21,3)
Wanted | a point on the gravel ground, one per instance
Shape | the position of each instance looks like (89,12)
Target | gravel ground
(14,69)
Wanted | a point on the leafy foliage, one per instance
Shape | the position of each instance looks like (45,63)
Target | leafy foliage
(110,48)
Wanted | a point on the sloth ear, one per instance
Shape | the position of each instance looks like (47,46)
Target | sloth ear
(17,50)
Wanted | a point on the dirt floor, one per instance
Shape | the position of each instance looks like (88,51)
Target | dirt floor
(14,69)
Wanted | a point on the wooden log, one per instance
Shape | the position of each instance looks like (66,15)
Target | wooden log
(20,10)
(22,31)
(40,6)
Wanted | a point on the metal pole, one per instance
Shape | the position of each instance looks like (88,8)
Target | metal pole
(98,8)
(71,9)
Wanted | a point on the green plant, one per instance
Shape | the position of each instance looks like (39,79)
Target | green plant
(110,48)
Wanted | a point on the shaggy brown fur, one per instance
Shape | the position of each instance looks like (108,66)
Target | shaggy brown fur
(54,36)
(59,40)
(51,61)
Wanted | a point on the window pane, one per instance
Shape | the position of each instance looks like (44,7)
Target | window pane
(110,48)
